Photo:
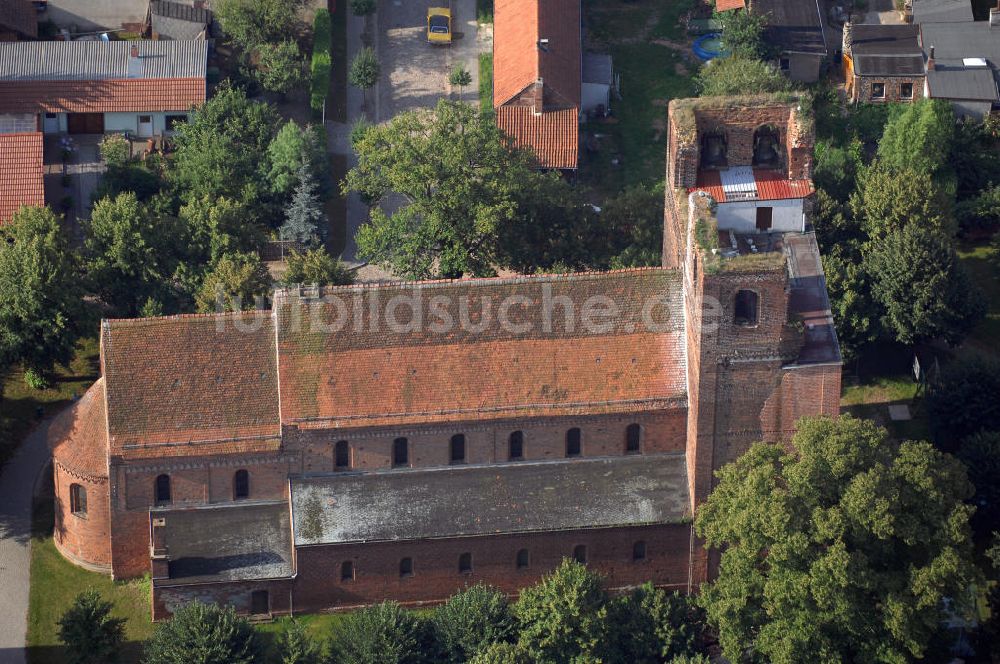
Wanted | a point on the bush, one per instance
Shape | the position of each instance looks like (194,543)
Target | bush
(296,647)
(204,634)
(321,59)
(88,631)
(470,621)
(114,150)
(964,400)
(315,266)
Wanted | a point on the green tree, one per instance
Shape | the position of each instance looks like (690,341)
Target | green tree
(237,281)
(218,226)
(635,217)
(924,291)
(250,23)
(981,455)
(88,631)
(381,634)
(305,219)
(296,647)
(743,34)
(362,7)
(856,314)
(839,550)
(285,154)
(130,253)
(919,137)
(41,301)
(564,618)
(837,166)
(365,70)
(501,653)
(739,75)
(459,77)
(204,634)
(219,152)
(470,621)
(650,625)
(888,199)
(963,400)
(114,150)
(316,266)
(459,180)
(279,67)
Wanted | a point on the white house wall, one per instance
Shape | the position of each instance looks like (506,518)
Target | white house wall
(120,122)
(741,216)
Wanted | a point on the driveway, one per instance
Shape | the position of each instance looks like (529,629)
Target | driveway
(414,73)
(17,481)
(93,15)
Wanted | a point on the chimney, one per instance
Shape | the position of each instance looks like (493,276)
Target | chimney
(848,38)
(538,97)
(930,59)
(543,45)
(134,52)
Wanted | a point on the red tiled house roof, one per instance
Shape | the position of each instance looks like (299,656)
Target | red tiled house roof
(22,180)
(358,377)
(188,385)
(537,64)
(726,5)
(771,185)
(102,77)
(19,16)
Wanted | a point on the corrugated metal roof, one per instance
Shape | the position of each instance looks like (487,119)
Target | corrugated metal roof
(98,60)
(742,183)
(958,82)
(597,68)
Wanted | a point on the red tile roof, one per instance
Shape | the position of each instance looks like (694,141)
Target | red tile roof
(357,377)
(726,5)
(190,384)
(22,180)
(518,59)
(79,436)
(101,96)
(553,136)
(771,186)
(20,16)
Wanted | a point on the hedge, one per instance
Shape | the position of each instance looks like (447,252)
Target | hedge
(322,40)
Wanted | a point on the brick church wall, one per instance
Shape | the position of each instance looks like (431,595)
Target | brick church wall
(166,599)
(83,538)
(436,576)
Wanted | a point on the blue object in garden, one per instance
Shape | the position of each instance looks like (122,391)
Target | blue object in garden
(709,46)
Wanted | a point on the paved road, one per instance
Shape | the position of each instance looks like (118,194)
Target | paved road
(17,481)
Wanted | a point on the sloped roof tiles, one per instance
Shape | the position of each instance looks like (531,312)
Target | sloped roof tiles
(20,16)
(553,136)
(21,172)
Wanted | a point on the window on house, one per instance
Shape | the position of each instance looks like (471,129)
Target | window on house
(639,551)
(241,485)
(516,446)
(260,603)
(765,215)
(457,448)
(580,554)
(745,309)
(906,90)
(878,90)
(573,442)
(783,63)
(341,455)
(162,488)
(77,499)
(401,452)
(465,563)
(523,559)
(406,567)
(633,437)
(174,120)
(347,570)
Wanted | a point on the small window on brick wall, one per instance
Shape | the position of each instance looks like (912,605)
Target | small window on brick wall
(906,90)
(342,455)
(516,446)
(241,485)
(639,551)
(347,570)
(745,308)
(457,449)
(633,438)
(77,499)
(878,90)
(162,489)
(573,446)
(401,452)
(465,563)
(406,567)
(580,554)
(523,559)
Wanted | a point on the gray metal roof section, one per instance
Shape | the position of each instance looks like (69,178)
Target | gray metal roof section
(955,41)
(597,68)
(466,501)
(889,65)
(942,11)
(180,11)
(99,60)
(795,25)
(232,542)
(809,301)
(955,81)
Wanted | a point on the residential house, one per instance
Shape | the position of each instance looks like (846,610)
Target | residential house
(537,77)
(963,61)
(21,174)
(18,20)
(177,20)
(93,87)
(795,28)
(883,63)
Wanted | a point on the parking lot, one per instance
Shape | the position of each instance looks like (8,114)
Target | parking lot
(415,73)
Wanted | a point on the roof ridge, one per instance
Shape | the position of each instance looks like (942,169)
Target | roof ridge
(152,320)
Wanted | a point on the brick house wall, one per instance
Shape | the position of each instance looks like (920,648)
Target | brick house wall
(84,538)
(862,88)
(167,599)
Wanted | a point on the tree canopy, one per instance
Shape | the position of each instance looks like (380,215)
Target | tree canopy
(471,621)
(316,266)
(919,137)
(384,633)
(840,550)
(89,632)
(204,634)
(238,281)
(739,75)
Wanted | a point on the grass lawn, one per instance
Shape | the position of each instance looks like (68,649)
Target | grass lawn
(980,260)
(486,82)
(22,406)
(644,39)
